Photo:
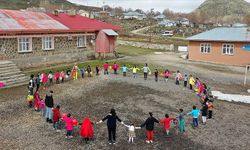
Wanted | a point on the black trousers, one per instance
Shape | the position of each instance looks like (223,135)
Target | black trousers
(210,113)
(190,86)
(112,133)
(145,75)
(37,87)
(185,83)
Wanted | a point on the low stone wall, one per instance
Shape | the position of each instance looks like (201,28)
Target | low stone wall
(167,47)
(65,50)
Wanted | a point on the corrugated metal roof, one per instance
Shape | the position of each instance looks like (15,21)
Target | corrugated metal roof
(25,20)
(110,32)
(236,34)
(78,22)
(12,21)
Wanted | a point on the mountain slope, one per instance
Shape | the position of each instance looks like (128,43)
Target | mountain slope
(48,4)
(224,8)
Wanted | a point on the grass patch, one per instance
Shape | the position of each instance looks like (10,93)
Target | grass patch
(135,51)
(92,64)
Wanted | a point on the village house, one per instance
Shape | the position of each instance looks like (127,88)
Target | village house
(183,21)
(85,13)
(222,45)
(134,15)
(160,17)
(26,34)
(167,23)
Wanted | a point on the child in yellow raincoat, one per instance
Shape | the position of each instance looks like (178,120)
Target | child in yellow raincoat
(191,82)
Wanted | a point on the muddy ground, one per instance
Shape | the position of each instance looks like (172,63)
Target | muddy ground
(23,128)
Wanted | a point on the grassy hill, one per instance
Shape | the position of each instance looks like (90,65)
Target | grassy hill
(224,8)
(48,4)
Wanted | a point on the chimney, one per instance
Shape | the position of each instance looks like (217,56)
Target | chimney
(56,12)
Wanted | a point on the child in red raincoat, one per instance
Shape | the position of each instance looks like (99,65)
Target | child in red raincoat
(37,99)
(86,130)
(45,79)
(57,76)
(56,117)
(166,123)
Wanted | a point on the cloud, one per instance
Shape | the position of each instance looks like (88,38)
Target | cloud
(158,5)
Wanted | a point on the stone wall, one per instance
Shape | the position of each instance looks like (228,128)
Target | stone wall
(65,50)
(167,47)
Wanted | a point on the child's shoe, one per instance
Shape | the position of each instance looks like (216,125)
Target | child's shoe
(147,141)
(71,137)
(151,141)
(58,130)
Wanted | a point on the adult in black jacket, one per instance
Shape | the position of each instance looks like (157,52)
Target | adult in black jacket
(111,124)
(49,103)
(149,123)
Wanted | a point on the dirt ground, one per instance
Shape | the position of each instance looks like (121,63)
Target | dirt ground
(23,128)
(228,79)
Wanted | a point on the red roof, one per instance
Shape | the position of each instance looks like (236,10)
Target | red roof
(13,21)
(78,22)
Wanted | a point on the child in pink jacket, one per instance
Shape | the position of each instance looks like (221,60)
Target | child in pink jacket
(69,126)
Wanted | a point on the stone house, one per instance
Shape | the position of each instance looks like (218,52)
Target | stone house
(24,34)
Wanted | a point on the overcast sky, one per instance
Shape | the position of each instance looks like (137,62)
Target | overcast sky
(159,5)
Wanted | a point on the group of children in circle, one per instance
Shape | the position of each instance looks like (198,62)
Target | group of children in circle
(53,115)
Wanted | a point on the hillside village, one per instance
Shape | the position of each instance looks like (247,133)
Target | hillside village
(177,80)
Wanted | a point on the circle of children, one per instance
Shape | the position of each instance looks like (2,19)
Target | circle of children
(53,115)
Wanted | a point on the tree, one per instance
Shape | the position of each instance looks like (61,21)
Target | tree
(118,11)
(169,14)
(246,19)
(140,11)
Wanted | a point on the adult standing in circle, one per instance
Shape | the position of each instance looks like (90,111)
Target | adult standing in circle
(146,70)
(111,124)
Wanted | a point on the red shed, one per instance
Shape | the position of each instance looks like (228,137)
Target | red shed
(105,41)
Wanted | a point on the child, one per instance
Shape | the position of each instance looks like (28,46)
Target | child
(97,69)
(82,71)
(167,74)
(178,77)
(181,121)
(86,130)
(62,75)
(124,70)
(156,75)
(210,109)
(68,72)
(57,76)
(45,80)
(36,100)
(146,70)
(131,132)
(50,78)
(56,117)
(191,82)
(106,67)
(134,71)
(75,70)
(89,71)
(69,125)
(38,82)
(195,114)
(41,105)
(166,123)
(115,68)
(204,113)
(149,123)
(185,80)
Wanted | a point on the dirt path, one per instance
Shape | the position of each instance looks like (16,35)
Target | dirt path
(23,128)
(218,76)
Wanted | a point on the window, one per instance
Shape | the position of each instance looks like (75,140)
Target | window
(81,41)
(227,49)
(205,48)
(24,44)
(48,43)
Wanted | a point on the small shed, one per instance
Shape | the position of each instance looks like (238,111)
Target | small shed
(105,41)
